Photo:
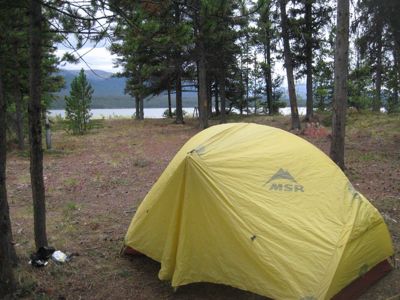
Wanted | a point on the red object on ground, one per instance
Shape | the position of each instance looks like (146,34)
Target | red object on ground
(315,130)
(361,284)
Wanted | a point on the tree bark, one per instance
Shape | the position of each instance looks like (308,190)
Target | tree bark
(255,88)
(241,91)
(35,126)
(289,67)
(169,102)
(140,94)
(179,109)
(137,107)
(18,98)
(223,98)
(247,92)
(7,252)
(376,105)
(209,96)
(268,71)
(201,66)
(202,89)
(340,85)
(141,106)
(48,133)
(178,70)
(309,59)
(216,93)
(397,77)
(267,57)
(18,101)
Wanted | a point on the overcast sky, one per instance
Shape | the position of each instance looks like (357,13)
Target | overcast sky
(98,58)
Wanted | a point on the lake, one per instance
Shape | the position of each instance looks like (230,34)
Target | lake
(151,113)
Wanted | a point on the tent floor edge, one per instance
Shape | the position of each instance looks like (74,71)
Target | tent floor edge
(130,251)
(359,286)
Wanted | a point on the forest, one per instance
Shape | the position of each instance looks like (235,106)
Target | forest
(241,60)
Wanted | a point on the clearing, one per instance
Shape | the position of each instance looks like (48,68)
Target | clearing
(95,182)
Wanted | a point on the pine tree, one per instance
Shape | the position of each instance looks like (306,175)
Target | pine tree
(372,27)
(266,41)
(152,42)
(77,104)
(7,252)
(340,86)
(289,66)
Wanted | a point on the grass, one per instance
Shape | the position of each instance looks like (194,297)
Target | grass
(141,163)
(71,182)
(70,207)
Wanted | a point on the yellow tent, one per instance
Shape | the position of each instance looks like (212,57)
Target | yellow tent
(260,209)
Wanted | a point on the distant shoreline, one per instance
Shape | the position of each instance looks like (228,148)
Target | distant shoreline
(150,113)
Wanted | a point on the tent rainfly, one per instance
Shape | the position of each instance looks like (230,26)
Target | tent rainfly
(262,210)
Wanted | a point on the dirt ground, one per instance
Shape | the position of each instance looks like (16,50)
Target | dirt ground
(95,182)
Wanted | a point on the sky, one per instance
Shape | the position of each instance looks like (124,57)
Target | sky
(98,58)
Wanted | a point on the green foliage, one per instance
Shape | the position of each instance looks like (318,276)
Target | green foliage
(360,85)
(377,49)
(166,113)
(150,53)
(77,105)
(323,84)
(392,104)
(14,62)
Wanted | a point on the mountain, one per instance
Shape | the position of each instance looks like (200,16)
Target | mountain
(301,92)
(109,92)
(102,82)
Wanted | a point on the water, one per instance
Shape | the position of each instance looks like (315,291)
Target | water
(115,112)
(151,113)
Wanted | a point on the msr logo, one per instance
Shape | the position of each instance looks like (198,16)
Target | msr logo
(283,176)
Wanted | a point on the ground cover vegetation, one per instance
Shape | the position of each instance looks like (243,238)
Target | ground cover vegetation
(229,51)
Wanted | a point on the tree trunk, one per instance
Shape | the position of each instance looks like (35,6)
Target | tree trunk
(141,106)
(7,252)
(216,93)
(268,71)
(140,94)
(18,100)
(255,88)
(397,77)
(178,70)
(340,86)
(137,107)
(169,102)
(247,92)
(209,95)
(203,89)
(267,57)
(289,67)
(241,92)
(35,126)
(376,104)
(202,92)
(179,109)
(223,97)
(201,65)
(48,133)
(309,59)
(4,214)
